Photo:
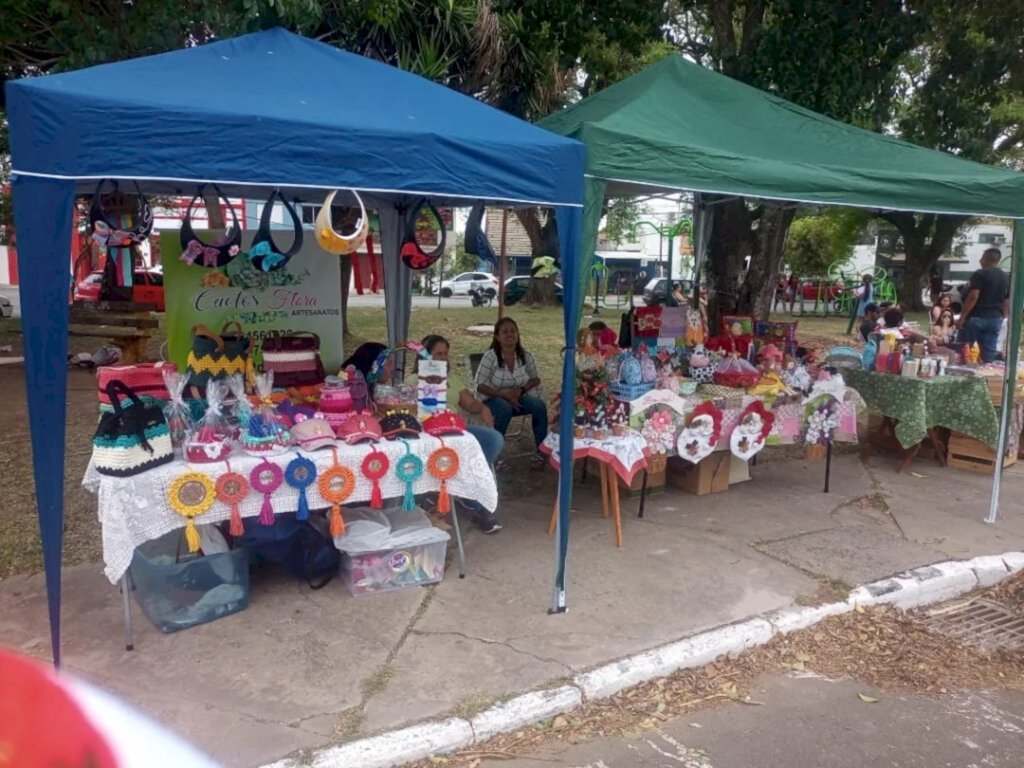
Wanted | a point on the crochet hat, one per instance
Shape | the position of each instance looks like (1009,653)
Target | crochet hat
(313,433)
(398,424)
(359,427)
(444,423)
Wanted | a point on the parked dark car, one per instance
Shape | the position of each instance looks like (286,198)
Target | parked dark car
(658,289)
(516,287)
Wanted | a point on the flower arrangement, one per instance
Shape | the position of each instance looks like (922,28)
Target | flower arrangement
(822,423)
(592,399)
(659,430)
(618,418)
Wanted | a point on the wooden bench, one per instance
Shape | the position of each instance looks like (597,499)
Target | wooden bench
(127,325)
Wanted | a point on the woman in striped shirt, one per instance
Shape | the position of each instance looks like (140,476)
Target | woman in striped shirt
(506,377)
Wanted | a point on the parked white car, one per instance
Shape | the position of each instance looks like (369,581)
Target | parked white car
(460,284)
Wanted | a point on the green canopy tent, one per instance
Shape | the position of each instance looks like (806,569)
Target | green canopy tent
(677,126)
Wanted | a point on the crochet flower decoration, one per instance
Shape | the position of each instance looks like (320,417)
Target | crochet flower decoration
(822,422)
(659,432)
(661,421)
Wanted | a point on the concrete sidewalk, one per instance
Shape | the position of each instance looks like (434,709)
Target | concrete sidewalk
(300,668)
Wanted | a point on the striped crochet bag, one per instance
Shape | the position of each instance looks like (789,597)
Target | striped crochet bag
(217,356)
(294,359)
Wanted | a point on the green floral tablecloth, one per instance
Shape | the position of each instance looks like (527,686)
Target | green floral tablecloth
(960,403)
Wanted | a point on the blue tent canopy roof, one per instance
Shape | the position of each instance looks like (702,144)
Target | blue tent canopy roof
(277,109)
(271,109)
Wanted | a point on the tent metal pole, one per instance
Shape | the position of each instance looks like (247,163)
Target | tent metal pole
(1010,372)
(502,267)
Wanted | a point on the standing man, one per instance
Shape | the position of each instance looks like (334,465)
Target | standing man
(987,304)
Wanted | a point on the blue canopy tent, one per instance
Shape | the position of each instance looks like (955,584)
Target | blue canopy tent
(253,113)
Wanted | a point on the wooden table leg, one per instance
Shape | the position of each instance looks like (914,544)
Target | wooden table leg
(938,446)
(604,488)
(613,489)
(908,457)
(554,510)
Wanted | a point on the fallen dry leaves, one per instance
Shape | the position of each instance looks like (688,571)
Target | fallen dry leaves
(880,646)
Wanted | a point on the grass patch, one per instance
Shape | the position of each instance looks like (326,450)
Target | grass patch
(377,682)
(349,723)
(471,705)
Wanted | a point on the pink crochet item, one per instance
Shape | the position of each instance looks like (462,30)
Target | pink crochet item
(336,400)
(206,447)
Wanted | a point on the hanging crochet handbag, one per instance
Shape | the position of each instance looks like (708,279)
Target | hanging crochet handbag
(132,438)
(217,356)
(294,360)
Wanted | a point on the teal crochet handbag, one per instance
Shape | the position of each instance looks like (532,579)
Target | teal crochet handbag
(131,438)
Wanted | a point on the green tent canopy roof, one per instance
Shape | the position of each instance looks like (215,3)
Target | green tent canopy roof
(678,125)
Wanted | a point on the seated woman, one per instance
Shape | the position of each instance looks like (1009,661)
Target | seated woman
(945,304)
(944,330)
(505,378)
(491,441)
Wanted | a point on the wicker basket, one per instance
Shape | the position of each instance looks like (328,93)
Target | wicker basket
(627,393)
(731,397)
(815,451)
(656,463)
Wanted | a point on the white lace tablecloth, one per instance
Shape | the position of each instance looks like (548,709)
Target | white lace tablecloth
(133,510)
(627,455)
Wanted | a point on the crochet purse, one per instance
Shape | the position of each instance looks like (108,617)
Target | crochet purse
(132,438)
(217,356)
(294,359)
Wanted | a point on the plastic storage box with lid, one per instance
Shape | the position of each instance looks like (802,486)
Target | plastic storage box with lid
(387,550)
(177,590)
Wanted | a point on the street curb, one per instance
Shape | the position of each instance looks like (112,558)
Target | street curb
(392,748)
(684,654)
(910,589)
(525,710)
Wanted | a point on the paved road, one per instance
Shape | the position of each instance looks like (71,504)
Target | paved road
(815,723)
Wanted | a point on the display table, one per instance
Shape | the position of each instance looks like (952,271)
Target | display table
(615,456)
(915,409)
(133,510)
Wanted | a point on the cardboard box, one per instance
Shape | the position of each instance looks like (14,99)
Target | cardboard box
(711,475)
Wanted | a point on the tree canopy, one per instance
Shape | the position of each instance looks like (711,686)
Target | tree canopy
(839,59)
(817,242)
(961,90)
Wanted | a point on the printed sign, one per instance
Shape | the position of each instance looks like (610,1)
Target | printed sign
(304,295)
(431,387)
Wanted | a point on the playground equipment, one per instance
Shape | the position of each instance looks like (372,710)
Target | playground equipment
(671,231)
(834,293)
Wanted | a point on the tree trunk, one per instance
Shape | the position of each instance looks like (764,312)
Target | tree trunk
(925,238)
(758,291)
(541,291)
(543,242)
(215,216)
(729,245)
